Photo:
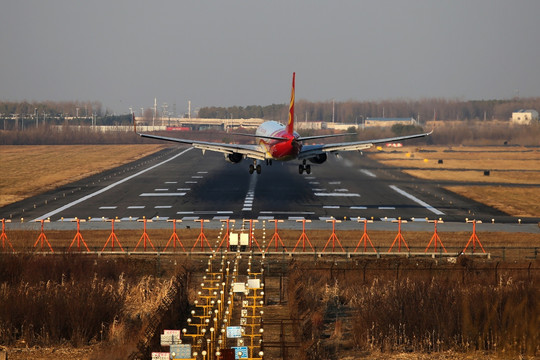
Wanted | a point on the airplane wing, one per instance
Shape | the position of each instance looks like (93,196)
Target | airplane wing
(309,151)
(251,151)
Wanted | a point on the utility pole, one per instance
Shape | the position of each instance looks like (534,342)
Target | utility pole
(333,111)
(155,113)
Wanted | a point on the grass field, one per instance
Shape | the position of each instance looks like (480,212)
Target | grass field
(30,170)
(513,184)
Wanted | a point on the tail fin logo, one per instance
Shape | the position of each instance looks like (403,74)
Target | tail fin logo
(290,123)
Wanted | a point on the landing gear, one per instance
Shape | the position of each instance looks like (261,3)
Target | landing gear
(303,167)
(255,167)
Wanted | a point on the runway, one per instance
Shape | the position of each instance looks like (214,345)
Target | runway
(182,183)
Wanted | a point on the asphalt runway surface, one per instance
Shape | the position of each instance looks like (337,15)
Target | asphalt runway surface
(182,183)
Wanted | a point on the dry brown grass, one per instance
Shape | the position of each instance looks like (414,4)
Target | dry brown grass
(30,170)
(417,307)
(518,201)
(507,165)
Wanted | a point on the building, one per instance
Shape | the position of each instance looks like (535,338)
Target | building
(524,117)
(389,122)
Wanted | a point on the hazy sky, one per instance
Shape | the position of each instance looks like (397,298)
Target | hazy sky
(124,53)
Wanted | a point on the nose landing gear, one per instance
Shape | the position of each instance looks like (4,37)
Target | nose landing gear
(255,167)
(303,167)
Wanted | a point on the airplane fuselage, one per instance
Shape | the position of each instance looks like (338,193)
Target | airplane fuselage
(282,150)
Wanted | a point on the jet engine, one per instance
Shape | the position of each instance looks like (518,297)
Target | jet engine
(319,159)
(234,157)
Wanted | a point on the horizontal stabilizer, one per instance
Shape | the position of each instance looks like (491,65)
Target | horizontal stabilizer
(261,136)
(306,138)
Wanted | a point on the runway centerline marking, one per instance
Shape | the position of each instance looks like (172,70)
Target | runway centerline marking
(416,200)
(107,188)
(250,196)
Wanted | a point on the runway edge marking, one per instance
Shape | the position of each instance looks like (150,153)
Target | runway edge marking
(416,200)
(84,198)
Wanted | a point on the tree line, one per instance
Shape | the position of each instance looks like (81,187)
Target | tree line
(354,112)
(52,108)
(351,112)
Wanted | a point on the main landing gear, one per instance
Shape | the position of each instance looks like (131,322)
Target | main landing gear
(303,167)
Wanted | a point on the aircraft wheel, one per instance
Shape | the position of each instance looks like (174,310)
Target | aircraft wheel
(259,169)
(251,168)
(308,169)
(300,169)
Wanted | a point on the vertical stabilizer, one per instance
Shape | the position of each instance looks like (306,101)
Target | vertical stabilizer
(290,123)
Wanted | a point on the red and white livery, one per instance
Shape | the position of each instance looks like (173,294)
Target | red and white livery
(275,141)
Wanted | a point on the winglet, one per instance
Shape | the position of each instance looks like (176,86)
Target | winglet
(290,123)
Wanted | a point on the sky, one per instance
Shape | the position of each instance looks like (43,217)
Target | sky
(125,53)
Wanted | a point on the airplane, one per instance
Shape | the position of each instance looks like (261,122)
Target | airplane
(279,142)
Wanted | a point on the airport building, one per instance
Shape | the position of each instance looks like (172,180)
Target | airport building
(389,122)
(524,117)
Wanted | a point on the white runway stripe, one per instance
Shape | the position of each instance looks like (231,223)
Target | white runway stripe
(337,194)
(250,196)
(163,194)
(416,200)
(221,218)
(368,173)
